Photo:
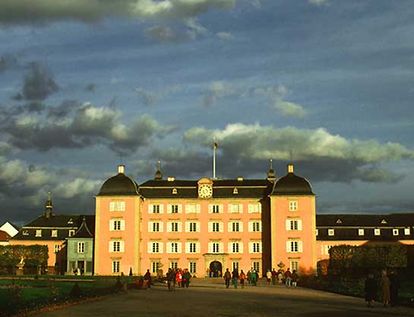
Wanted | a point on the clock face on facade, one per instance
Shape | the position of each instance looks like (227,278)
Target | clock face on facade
(205,191)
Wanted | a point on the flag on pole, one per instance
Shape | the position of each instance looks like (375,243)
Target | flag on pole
(215,145)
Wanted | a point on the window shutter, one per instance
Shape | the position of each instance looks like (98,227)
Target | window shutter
(287,224)
(150,224)
(210,209)
(150,206)
(122,246)
(187,226)
(180,208)
(149,247)
(198,226)
(161,208)
(179,247)
(169,208)
(241,226)
(161,226)
(161,245)
(210,227)
(230,227)
(169,224)
(299,224)
(250,226)
(300,246)
(221,208)
(288,246)
(241,247)
(122,225)
(180,226)
(230,247)
(110,246)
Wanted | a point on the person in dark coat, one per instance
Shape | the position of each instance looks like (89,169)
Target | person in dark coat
(394,285)
(235,277)
(370,289)
(147,277)
(227,278)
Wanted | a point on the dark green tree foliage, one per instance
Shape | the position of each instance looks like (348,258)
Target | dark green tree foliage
(33,256)
(353,260)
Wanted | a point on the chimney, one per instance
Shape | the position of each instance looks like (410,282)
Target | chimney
(121,169)
(290,168)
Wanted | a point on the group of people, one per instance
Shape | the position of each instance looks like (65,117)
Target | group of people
(282,277)
(388,286)
(180,277)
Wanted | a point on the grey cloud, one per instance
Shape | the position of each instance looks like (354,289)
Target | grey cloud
(151,97)
(26,11)
(216,90)
(38,83)
(323,156)
(75,125)
(7,61)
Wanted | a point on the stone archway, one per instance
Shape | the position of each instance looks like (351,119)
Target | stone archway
(216,269)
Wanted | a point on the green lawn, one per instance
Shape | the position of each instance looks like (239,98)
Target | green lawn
(17,293)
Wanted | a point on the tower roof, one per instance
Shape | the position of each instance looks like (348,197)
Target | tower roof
(119,185)
(292,184)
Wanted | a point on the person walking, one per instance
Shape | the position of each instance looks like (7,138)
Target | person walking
(385,288)
(186,278)
(253,277)
(227,278)
(370,289)
(274,276)
(288,278)
(295,278)
(268,277)
(242,278)
(147,278)
(235,277)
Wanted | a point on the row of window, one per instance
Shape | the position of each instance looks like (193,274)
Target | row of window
(53,233)
(377,232)
(194,226)
(196,208)
(190,247)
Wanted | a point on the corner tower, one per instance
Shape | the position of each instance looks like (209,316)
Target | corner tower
(117,224)
(293,223)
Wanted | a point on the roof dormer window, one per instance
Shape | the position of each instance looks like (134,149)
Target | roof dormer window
(235,191)
(174,191)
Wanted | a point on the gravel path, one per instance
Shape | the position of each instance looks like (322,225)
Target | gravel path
(207,300)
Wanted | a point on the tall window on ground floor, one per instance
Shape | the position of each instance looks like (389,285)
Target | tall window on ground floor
(294,265)
(193,267)
(116,266)
(256,266)
(235,265)
(155,266)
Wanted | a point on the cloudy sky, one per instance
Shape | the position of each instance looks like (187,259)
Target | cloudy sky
(85,85)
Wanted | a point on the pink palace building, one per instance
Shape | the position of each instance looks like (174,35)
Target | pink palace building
(205,225)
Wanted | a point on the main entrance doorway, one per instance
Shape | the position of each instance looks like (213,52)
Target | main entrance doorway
(216,269)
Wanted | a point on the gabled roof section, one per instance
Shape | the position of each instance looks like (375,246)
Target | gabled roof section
(83,231)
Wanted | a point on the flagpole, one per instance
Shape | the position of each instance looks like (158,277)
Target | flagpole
(214,158)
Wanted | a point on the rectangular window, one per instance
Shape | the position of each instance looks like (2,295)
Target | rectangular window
(174,226)
(71,232)
(407,231)
(361,232)
(155,227)
(254,208)
(116,225)
(155,247)
(255,247)
(216,247)
(294,246)
(193,226)
(293,225)
(174,247)
(235,265)
(255,226)
(216,226)
(155,266)
(192,208)
(377,232)
(117,206)
(38,233)
(235,208)
(256,266)
(54,233)
(316,232)
(215,209)
(192,247)
(116,246)
(293,205)
(57,248)
(331,232)
(395,232)
(115,266)
(81,247)
(174,265)
(174,209)
(155,209)
(235,227)
(193,267)
(294,265)
(235,247)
